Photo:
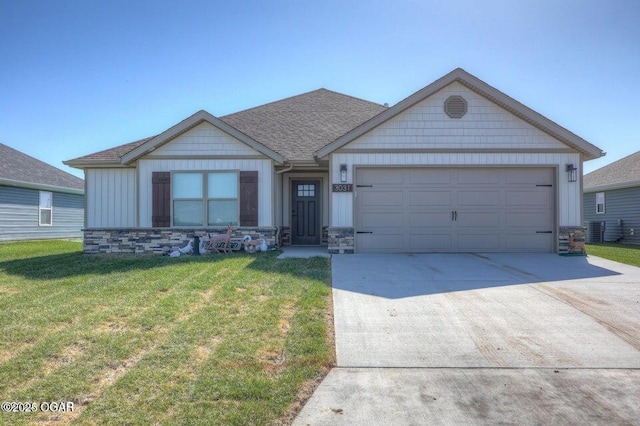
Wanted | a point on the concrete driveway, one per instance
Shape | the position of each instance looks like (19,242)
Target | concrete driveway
(482,339)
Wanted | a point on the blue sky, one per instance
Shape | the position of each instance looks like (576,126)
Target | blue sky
(82,76)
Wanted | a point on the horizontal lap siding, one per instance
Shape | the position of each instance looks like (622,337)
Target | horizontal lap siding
(621,204)
(568,193)
(111,198)
(19,214)
(263,167)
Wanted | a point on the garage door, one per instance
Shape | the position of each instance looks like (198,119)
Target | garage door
(454,210)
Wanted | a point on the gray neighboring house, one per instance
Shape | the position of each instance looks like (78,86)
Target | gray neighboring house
(612,202)
(37,200)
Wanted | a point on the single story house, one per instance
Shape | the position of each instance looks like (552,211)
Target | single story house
(457,166)
(37,200)
(612,202)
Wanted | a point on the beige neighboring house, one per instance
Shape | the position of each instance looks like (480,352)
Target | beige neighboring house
(456,167)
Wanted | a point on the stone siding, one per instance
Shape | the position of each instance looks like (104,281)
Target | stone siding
(564,233)
(340,240)
(163,240)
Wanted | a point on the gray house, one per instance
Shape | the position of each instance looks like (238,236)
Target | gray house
(612,202)
(458,166)
(37,200)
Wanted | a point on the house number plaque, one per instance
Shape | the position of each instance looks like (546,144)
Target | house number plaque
(342,187)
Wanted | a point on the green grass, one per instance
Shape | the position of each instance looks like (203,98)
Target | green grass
(624,253)
(216,339)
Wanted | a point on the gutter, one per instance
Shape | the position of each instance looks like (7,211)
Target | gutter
(40,186)
(612,186)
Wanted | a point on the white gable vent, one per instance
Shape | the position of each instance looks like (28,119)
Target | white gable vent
(455,106)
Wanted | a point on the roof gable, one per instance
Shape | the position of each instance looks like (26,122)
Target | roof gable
(189,123)
(623,173)
(427,126)
(588,150)
(20,169)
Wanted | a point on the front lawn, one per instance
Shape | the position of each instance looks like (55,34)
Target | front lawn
(216,339)
(624,253)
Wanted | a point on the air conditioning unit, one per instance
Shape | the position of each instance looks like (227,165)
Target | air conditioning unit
(595,232)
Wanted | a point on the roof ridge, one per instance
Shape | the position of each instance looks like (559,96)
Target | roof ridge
(289,98)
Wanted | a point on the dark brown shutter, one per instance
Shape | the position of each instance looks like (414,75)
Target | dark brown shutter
(248,198)
(161,197)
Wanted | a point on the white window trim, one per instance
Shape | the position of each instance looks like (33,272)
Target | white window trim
(41,209)
(600,201)
(205,199)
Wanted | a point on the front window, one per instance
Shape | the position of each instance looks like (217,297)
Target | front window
(46,208)
(200,196)
(600,203)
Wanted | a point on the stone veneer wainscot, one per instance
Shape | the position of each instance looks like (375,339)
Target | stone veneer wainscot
(163,240)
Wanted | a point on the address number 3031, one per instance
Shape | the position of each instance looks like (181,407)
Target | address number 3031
(342,187)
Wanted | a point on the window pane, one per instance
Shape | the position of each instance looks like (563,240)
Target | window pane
(45,199)
(187,213)
(223,213)
(222,185)
(45,217)
(187,185)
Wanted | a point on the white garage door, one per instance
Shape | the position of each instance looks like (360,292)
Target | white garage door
(454,210)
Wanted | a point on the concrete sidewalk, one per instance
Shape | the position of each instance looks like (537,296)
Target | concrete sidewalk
(482,339)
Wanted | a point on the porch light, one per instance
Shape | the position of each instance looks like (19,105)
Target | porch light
(572,173)
(343,173)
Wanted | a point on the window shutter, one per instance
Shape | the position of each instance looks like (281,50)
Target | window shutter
(161,199)
(249,198)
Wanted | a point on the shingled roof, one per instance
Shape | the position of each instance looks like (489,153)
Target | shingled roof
(294,127)
(20,169)
(619,174)
(298,126)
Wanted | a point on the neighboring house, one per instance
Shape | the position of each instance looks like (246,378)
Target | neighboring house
(456,167)
(37,200)
(612,202)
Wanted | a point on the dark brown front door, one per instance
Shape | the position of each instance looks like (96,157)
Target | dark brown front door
(305,212)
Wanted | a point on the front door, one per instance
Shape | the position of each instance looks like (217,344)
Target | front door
(305,212)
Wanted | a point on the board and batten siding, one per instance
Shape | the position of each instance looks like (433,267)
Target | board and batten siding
(264,167)
(623,204)
(111,198)
(484,126)
(205,139)
(19,215)
(569,193)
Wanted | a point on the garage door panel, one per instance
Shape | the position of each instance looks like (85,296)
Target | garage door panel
(537,219)
(539,198)
(429,242)
(471,219)
(430,219)
(479,177)
(379,243)
(384,176)
(429,176)
(380,198)
(478,242)
(430,198)
(478,198)
(378,220)
(528,176)
(530,242)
